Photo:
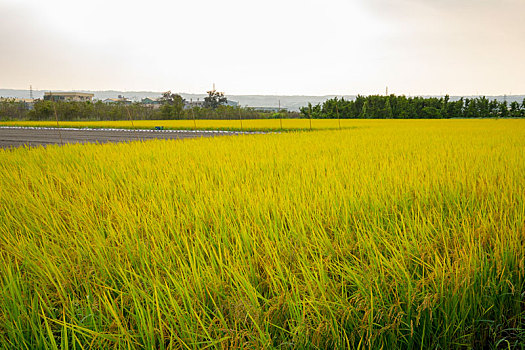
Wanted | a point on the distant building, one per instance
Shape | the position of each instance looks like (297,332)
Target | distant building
(268,109)
(232,103)
(68,96)
(151,102)
(28,103)
(119,100)
(201,104)
(192,104)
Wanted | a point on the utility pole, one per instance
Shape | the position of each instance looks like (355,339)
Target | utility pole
(338,118)
(280,116)
(386,93)
(193,114)
(240,118)
(131,120)
(58,126)
(31,91)
(310,115)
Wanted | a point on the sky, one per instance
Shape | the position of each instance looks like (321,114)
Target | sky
(284,47)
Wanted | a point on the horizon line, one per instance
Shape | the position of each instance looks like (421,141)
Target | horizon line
(266,94)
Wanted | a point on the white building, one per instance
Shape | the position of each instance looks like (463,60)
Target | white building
(68,96)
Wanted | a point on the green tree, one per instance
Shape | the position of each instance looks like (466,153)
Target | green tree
(483,107)
(388,109)
(364,110)
(214,99)
(493,109)
(430,113)
(444,107)
(172,105)
(515,110)
(9,108)
(503,109)
(42,110)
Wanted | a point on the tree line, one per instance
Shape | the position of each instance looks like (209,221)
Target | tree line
(172,107)
(402,107)
(169,106)
(78,111)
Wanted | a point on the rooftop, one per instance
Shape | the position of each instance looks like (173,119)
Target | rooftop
(66,93)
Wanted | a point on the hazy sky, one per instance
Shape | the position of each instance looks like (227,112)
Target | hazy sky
(265,47)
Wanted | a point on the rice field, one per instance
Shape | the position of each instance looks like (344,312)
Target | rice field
(392,234)
(245,124)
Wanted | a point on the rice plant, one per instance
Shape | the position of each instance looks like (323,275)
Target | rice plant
(394,234)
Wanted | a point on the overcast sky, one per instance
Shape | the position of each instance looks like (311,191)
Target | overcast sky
(296,47)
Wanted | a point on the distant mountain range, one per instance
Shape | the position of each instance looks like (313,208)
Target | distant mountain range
(292,103)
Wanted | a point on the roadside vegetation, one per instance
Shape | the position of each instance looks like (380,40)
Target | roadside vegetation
(394,234)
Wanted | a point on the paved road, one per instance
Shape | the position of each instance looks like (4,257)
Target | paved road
(18,136)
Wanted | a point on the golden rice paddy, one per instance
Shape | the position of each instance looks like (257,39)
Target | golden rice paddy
(391,234)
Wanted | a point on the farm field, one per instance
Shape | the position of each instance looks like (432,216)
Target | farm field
(247,124)
(388,234)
